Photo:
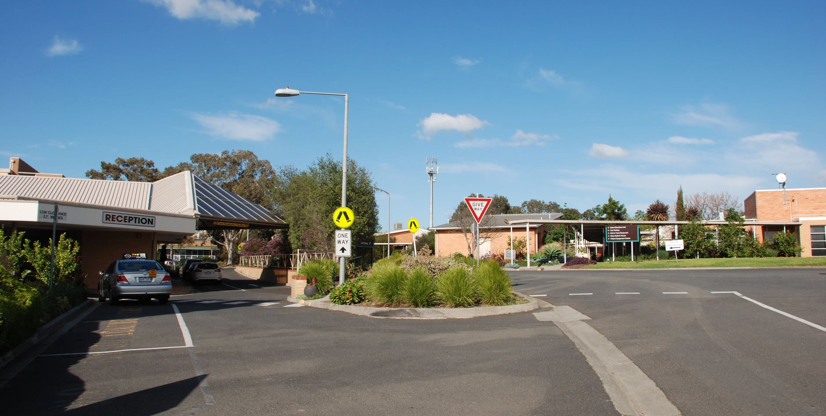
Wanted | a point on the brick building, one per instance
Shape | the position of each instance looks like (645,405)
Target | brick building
(806,206)
(495,234)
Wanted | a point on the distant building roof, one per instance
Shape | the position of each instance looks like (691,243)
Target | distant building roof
(502,220)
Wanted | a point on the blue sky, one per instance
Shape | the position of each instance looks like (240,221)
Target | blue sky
(561,101)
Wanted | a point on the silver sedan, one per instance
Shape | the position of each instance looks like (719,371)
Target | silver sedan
(134,279)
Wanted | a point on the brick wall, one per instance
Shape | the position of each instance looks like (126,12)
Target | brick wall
(100,248)
(800,203)
(449,242)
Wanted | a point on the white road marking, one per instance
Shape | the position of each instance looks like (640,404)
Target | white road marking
(182,324)
(627,293)
(267,304)
(115,351)
(675,293)
(538,296)
(185,300)
(240,302)
(729,292)
(210,301)
(236,288)
(253,285)
(786,314)
(294,305)
(580,294)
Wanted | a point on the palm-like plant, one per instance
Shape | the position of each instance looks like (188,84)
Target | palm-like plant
(658,211)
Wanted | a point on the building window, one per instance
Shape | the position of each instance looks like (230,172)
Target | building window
(818,240)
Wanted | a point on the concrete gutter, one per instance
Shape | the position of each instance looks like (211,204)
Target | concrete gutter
(423,313)
(45,331)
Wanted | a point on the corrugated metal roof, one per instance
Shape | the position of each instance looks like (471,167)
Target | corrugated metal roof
(119,194)
(214,202)
(170,194)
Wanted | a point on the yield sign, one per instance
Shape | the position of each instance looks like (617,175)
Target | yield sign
(478,207)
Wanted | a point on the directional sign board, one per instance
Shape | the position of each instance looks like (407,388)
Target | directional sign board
(674,245)
(413,225)
(622,233)
(343,243)
(478,207)
(343,217)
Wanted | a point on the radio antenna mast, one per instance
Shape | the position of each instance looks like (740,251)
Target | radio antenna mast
(432,171)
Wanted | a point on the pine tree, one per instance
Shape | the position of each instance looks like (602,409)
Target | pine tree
(680,206)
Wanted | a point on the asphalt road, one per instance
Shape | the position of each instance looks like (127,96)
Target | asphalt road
(711,354)
(239,348)
(253,353)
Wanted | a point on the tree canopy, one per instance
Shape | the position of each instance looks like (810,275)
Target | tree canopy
(132,169)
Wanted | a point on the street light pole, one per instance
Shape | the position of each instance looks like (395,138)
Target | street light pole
(388,218)
(289,92)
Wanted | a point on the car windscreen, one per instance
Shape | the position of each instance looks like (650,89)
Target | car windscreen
(138,265)
(207,266)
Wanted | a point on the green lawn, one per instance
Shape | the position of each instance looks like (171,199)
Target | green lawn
(742,262)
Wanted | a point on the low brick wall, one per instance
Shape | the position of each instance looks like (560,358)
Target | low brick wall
(265,274)
(297,286)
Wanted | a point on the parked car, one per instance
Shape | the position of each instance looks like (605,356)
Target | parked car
(206,272)
(134,279)
(186,268)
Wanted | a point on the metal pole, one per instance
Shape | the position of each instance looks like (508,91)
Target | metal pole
(431,200)
(388,224)
(513,255)
(528,242)
(565,243)
(54,238)
(342,266)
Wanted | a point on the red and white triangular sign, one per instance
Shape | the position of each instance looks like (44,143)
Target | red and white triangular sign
(478,207)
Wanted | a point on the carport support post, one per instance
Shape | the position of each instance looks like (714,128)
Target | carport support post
(513,255)
(54,237)
(632,252)
(528,242)
(565,244)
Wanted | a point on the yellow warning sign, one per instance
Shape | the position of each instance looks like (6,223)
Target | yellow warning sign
(413,225)
(343,217)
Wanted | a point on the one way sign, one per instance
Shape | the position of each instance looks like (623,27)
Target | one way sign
(343,243)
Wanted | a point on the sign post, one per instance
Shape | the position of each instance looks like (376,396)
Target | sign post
(413,226)
(675,246)
(343,217)
(623,234)
(478,207)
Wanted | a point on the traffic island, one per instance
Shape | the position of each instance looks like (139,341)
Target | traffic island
(530,304)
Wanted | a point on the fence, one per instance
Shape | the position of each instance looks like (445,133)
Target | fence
(283,261)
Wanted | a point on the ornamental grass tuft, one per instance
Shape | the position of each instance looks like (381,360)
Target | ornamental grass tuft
(456,288)
(494,285)
(420,289)
(322,271)
(386,284)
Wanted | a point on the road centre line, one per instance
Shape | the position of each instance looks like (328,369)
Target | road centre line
(114,351)
(675,293)
(184,329)
(627,293)
(786,314)
(267,304)
(580,294)
(728,292)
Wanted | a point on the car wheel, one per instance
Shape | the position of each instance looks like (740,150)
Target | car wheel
(163,300)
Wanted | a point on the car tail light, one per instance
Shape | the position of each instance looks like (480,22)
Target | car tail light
(166,278)
(122,279)
(218,270)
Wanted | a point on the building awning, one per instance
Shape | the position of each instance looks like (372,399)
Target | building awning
(220,209)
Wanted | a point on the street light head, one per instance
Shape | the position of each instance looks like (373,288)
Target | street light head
(286,92)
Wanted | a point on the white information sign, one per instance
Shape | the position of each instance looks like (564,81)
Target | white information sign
(510,254)
(674,245)
(343,243)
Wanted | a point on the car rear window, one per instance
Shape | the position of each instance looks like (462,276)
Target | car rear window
(138,265)
(207,266)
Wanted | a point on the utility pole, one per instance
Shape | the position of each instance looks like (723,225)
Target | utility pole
(432,171)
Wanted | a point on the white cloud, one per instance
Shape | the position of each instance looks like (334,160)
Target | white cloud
(689,140)
(474,167)
(822,176)
(236,126)
(309,7)
(224,11)
(551,77)
(775,152)
(275,103)
(62,47)
(61,145)
(783,136)
(392,105)
(605,151)
(520,138)
(707,114)
(465,63)
(436,122)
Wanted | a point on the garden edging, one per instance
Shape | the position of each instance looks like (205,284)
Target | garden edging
(424,313)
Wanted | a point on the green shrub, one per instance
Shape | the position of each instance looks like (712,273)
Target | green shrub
(420,289)
(456,288)
(466,260)
(386,284)
(350,293)
(494,285)
(322,271)
(21,306)
(786,244)
(434,266)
